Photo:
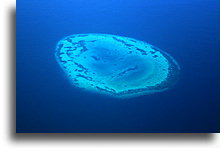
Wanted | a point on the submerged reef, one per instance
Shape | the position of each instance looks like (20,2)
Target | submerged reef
(118,66)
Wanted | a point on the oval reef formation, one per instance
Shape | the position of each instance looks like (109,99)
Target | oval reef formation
(115,65)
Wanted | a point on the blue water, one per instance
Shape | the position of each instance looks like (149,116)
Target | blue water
(186,29)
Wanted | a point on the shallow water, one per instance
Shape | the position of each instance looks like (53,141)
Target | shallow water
(114,65)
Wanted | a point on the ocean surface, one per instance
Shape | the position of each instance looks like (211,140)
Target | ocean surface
(188,30)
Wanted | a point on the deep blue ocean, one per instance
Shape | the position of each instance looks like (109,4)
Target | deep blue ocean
(46,102)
